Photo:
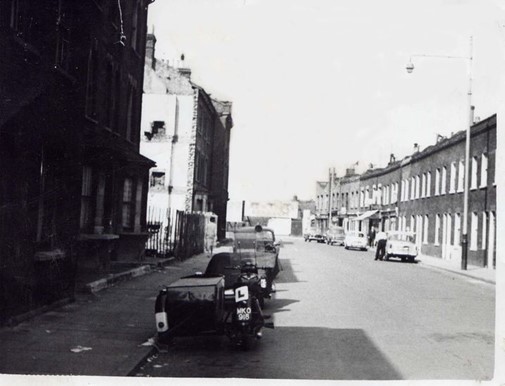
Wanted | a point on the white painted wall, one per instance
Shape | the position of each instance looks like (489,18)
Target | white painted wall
(177,113)
(280,226)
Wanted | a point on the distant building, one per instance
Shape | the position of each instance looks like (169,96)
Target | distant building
(423,193)
(285,217)
(73,186)
(187,133)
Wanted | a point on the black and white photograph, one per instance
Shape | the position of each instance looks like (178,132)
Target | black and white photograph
(253,191)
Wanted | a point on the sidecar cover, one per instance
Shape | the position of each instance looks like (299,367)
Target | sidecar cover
(194,304)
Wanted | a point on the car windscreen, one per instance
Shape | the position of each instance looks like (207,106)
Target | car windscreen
(402,237)
(257,240)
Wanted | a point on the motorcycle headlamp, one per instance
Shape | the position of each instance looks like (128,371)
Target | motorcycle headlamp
(229,292)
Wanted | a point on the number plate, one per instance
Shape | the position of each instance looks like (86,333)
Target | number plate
(243,313)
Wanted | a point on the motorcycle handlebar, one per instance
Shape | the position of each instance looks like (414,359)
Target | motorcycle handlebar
(238,267)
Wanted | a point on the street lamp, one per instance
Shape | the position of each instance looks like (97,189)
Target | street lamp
(469,58)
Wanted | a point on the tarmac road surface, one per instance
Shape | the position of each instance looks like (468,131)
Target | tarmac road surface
(341,315)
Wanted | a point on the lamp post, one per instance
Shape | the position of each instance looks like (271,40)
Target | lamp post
(469,58)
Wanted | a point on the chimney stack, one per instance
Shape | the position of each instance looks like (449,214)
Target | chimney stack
(416,148)
(392,158)
(183,70)
(150,48)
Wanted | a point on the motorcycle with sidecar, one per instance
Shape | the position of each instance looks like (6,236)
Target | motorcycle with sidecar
(204,304)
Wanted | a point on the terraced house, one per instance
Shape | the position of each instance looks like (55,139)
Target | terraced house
(73,185)
(423,193)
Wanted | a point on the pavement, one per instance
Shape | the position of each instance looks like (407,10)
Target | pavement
(473,272)
(109,329)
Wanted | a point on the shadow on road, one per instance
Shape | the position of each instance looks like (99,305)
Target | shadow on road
(283,353)
(287,274)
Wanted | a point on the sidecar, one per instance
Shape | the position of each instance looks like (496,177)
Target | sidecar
(192,305)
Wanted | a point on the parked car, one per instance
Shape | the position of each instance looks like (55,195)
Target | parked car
(356,240)
(335,236)
(402,245)
(314,235)
(257,245)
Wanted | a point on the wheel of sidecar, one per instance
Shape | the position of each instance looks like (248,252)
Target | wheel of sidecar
(165,339)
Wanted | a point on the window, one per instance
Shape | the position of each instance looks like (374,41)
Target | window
(127,203)
(474,225)
(426,227)
(443,181)
(473,179)
(447,239)
(457,229)
(394,196)
(413,188)
(437,229)
(133,31)
(18,18)
(62,59)
(129,113)
(428,184)
(483,171)
(406,190)
(92,81)
(109,97)
(116,113)
(423,186)
(157,179)
(86,197)
(418,187)
(484,231)
(412,223)
(452,181)
(461,176)
(157,127)
(437,182)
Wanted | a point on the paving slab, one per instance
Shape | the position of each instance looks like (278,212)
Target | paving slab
(101,333)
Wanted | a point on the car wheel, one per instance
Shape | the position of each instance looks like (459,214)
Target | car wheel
(412,259)
(404,259)
(386,257)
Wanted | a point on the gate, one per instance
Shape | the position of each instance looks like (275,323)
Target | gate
(189,234)
(161,234)
(174,233)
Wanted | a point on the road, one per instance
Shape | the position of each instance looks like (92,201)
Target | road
(341,315)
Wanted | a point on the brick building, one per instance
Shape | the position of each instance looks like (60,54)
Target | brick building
(187,133)
(424,193)
(73,186)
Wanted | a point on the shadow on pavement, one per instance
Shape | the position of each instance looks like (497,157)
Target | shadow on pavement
(283,353)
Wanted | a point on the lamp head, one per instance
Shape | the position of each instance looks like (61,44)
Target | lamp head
(410,67)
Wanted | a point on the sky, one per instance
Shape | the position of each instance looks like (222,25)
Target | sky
(319,84)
